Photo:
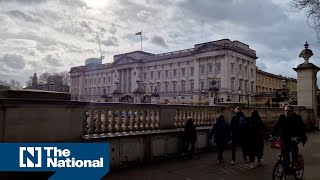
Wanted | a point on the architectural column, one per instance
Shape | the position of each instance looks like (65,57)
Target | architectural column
(196,78)
(307,81)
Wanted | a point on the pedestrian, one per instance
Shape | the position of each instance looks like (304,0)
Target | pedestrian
(221,135)
(255,138)
(190,137)
(238,129)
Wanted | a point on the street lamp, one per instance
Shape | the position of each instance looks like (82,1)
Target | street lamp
(248,97)
(213,89)
(239,91)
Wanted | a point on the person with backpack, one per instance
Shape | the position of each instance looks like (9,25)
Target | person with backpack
(221,135)
(238,129)
(255,138)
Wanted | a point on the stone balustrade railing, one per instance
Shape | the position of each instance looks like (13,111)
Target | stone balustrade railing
(118,117)
(27,120)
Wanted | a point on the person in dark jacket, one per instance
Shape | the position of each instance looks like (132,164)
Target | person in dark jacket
(238,129)
(290,125)
(190,136)
(221,133)
(255,138)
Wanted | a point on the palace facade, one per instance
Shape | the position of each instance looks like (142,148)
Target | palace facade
(223,67)
(273,90)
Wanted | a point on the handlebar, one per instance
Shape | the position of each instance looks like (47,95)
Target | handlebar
(294,139)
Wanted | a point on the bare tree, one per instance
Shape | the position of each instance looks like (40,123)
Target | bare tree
(15,85)
(12,84)
(312,9)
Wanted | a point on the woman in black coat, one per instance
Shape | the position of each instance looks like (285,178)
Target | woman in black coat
(255,138)
(190,136)
(221,135)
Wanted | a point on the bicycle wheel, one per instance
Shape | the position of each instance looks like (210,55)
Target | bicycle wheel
(298,174)
(279,172)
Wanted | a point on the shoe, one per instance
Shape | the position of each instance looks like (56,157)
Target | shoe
(260,162)
(252,165)
(232,162)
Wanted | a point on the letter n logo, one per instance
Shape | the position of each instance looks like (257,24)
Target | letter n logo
(30,157)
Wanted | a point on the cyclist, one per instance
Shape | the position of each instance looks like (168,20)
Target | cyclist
(289,128)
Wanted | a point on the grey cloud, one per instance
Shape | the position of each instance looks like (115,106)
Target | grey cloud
(261,65)
(25,2)
(113,29)
(143,14)
(13,61)
(245,13)
(158,41)
(112,41)
(23,16)
(86,26)
(53,61)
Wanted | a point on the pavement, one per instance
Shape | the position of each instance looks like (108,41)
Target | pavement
(204,166)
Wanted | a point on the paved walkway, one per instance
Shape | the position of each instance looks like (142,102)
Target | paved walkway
(205,167)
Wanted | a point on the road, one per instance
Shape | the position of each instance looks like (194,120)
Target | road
(205,167)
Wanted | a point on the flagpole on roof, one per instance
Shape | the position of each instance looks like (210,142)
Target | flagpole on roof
(140,33)
(141,41)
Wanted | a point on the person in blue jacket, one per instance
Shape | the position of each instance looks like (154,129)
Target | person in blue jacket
(221,135)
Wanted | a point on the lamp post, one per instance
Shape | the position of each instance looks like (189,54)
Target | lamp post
(248,97)
(213,89)
(239,91)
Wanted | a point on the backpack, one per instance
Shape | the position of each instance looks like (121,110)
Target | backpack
(242,122)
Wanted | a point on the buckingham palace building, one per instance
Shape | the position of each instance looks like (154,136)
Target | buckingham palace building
(208,73)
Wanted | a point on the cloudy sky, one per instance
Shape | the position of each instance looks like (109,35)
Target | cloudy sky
(54,35)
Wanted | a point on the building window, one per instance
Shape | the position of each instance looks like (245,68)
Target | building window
(183,71)
(166,88)
(145,75)
(159,74)
(109,79)
(174,73)
(251,73)
(174,87)
(183,86)
(240,69)
(219,84)
(192,86)
(202,69)
(104,80)
(246,86)
(232,84)
(202,84)
(218,68)
(240,83)
(144,88)
(210,68)
(192,71)
(151,88)
(159,87)
(245,71)
(167,73)
(151,75)
(232,68)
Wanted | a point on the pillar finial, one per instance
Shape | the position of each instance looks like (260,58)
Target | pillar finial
(306,53)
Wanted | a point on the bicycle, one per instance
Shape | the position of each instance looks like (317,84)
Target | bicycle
(284,166)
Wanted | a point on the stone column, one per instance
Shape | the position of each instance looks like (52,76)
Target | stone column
(307,81)
(196,78)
